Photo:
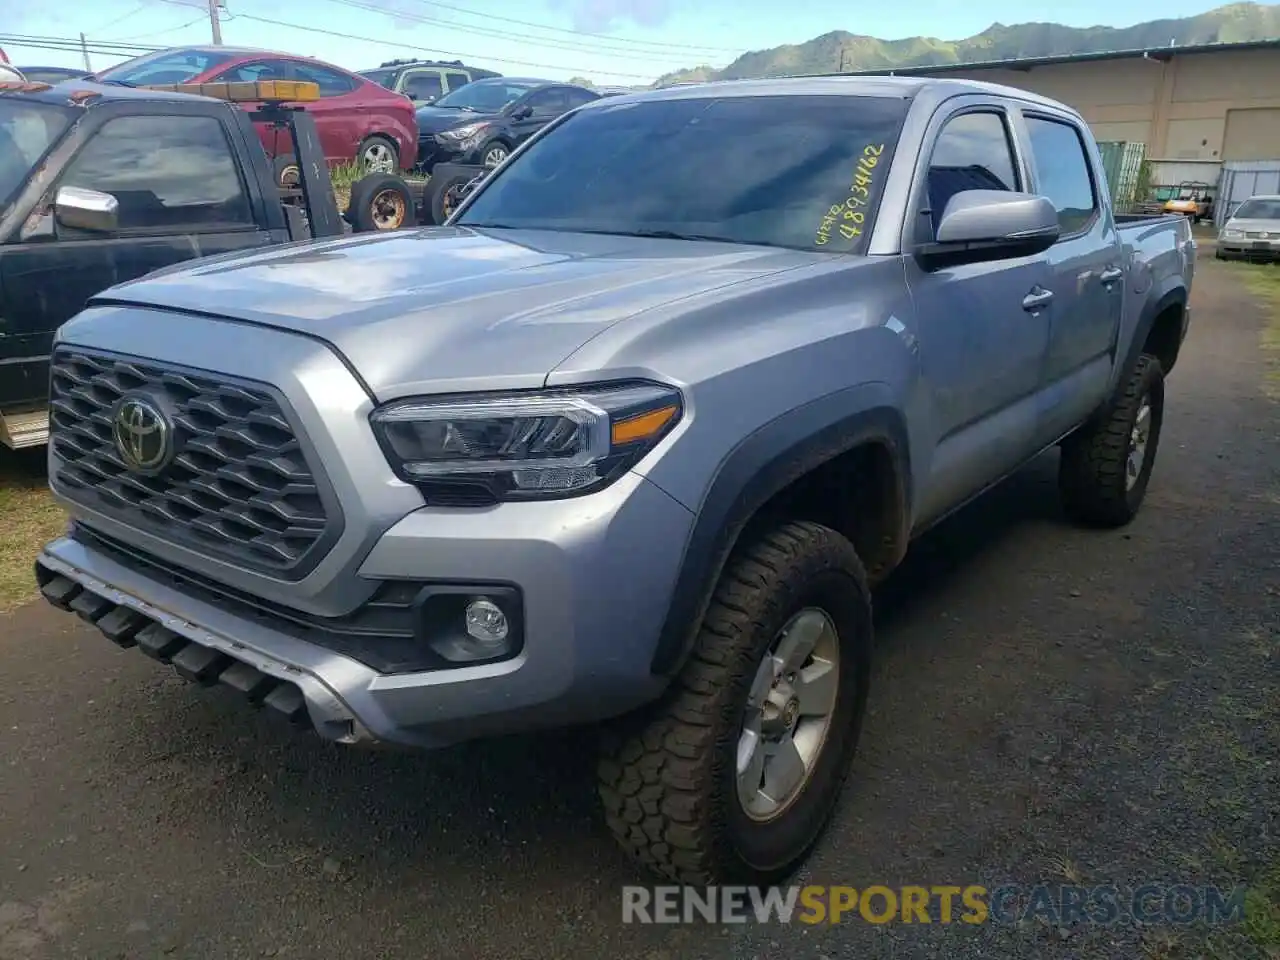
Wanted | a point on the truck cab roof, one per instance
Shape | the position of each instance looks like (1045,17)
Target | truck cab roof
(90,93)
(885,85)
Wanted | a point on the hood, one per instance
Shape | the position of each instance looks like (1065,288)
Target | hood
(447,309)
(435,119)
(1259,226)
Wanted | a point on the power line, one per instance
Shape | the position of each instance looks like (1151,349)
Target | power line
(440,53)
(157,33)
(73,45)
(548,43)
(579,33)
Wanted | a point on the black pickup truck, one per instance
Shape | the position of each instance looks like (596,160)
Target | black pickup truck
(100,184)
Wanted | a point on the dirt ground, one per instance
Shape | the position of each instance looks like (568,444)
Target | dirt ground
(1050,705)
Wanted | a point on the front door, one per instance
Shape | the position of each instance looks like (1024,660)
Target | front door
(983,327)
(545,106)
(1088,277)
(180,196)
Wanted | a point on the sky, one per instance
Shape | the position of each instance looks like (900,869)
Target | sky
(625,42)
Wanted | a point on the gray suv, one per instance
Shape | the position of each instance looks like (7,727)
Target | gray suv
(628,441)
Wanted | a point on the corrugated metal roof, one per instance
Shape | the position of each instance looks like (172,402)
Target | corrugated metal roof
(1150,53)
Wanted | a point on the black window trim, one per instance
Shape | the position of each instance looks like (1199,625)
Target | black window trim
(353,83)
(919,197)
(1072,125)
(220,77)
(132,233)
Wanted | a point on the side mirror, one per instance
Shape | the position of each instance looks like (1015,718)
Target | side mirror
(86,209)
(982,225)
(522,113)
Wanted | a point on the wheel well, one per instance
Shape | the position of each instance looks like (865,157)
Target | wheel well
(859,493)
(1164,339)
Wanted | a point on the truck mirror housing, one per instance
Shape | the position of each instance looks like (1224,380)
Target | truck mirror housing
(982,225)
(86,209)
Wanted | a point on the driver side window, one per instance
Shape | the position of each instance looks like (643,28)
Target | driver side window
(973,152)
(547,103)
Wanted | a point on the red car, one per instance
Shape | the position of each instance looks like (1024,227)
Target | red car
(357,119)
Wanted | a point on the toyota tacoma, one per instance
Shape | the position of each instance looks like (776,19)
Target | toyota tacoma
(628,441)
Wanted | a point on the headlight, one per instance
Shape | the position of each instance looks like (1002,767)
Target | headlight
(464,132)
(520,446)
(1232,234)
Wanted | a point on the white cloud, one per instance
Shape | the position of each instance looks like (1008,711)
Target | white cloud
(601,16)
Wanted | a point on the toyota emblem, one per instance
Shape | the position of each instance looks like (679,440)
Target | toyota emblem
(142,434)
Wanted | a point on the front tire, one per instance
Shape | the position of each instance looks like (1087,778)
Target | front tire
(706,788)
(1105,467)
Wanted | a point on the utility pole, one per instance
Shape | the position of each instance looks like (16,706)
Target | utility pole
(84,48)
(215,23)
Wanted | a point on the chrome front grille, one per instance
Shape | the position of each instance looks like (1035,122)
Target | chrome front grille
(237,487)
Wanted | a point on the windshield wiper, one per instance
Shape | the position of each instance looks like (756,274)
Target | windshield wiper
(118,83)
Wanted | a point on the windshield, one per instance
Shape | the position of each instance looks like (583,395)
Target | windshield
(383,78)
(484,96)
(790,171)
(1258,209)
(27,131)
(165,66)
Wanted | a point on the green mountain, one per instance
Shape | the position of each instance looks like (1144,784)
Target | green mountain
(840,51)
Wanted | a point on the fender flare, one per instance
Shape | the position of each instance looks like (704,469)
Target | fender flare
(1175,294)
(762,465)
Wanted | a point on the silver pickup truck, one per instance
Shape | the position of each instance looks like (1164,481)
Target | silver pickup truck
(629,440)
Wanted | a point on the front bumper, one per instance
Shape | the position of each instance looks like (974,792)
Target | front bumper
(1248,249)
(594,573)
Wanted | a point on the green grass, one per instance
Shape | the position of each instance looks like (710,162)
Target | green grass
(1263,281)
(29,518)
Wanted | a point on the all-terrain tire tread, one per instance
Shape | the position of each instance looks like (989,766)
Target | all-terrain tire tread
(656,779)
(1091,476)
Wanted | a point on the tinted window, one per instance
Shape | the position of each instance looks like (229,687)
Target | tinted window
(972,152)
(576,98)
(384,78)
(165,172)
(166,66)
(547,103)
(27,131)
(332,83)
(1063,171)
(789,171)
(259,70)
(422,86)
(456,80)
(484,96)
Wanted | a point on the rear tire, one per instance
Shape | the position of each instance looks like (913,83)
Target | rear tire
(1106,466)
(670,778)
(379,154)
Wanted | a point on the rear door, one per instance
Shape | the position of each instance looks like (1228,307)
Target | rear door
(983,327)
(1087,275)
(181,195)
(337,113)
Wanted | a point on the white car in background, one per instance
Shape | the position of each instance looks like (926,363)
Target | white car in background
(1252,232)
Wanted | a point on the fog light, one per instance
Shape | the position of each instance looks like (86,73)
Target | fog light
(486,623)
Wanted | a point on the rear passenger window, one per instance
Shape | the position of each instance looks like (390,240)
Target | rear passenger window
(972,153)
(1062,170)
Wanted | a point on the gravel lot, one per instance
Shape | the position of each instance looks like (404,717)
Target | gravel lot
(1051,705)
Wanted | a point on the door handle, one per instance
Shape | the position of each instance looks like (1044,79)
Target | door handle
(1110,275)
(1035,300)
